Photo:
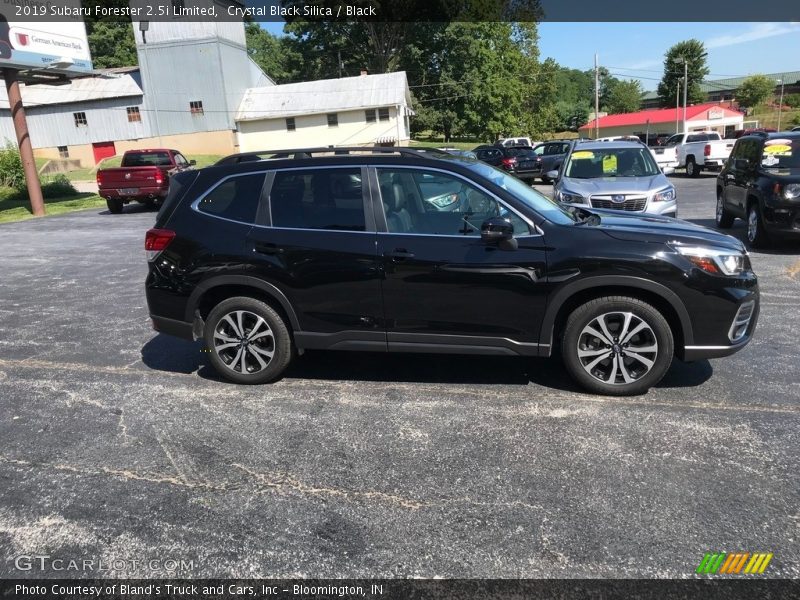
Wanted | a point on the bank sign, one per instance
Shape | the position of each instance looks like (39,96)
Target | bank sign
(26,43)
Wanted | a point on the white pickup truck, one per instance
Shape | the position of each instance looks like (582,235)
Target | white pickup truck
(694,151)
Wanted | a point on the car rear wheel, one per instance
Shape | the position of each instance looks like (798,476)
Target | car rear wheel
(617,345)
(756,234)
(723,217)
(692,170)
(248,341)
(114,205)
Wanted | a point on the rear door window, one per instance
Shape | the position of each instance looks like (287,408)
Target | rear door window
(329,199)
(235,198)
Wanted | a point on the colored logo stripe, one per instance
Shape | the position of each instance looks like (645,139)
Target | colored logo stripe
(733,562)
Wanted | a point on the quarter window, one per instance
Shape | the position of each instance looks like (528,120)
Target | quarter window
(329,199)
(430,202)
(235,198)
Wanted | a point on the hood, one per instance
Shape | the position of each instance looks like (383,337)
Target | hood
(615,185)
(654,228)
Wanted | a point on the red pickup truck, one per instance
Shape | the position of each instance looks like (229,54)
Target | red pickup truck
(143,177)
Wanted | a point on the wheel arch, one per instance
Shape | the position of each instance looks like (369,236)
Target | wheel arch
(212,291)
(568,298)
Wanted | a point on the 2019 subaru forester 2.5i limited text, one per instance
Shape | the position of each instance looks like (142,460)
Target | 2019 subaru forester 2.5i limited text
(397,250)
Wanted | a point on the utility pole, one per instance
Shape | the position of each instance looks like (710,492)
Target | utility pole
(780,104)
(24,142)
(677,106)
(596,99)
(685,88)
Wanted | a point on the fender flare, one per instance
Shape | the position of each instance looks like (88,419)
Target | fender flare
(254,282)
(558,299)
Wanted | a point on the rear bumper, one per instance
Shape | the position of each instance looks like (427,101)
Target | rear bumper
(143,193)
(714,163)
(179,329)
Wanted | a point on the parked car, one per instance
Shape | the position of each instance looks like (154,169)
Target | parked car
(517,141)
(459,152)
(615,175)
(740,132)
(796,128)
(761,184)
(529,166)
(552,155)
(142,177)
(694,152)
(264,259)
(494,155)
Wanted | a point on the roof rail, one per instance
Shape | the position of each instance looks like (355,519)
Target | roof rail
(300,153)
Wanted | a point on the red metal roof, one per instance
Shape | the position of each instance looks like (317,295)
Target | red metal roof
(660,115)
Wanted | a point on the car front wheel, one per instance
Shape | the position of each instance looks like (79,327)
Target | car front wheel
(617,346)
(247,340)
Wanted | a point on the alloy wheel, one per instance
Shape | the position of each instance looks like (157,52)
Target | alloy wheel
(244,342)
(617,348)
(752,225)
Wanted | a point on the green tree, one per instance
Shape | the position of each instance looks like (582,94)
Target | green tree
(275,55)
(754,90)
(111,40)
(624,97)
(792,100)
(694,53)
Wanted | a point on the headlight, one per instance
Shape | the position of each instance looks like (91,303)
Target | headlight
(791,191)
(716,261)
(667,195)
(570,198)
(444,201)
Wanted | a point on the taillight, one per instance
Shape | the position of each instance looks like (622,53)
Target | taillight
(159,178)
(707,150)
(509,162)
(99,178)
(157,240)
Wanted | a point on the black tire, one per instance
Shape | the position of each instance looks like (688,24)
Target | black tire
(605,376)
(546,180)
(757,236)
(723,217)
(249,370)
(692,168)
(114,205)
(149,203)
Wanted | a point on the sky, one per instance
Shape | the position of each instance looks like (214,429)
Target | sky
(636,50)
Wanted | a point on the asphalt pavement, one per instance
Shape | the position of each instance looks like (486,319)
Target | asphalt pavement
(120,444)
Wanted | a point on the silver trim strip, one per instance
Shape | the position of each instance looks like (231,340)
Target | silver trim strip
(710,347)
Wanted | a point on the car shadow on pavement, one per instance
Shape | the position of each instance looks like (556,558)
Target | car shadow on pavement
(739,231)
(132,209)
(166,353)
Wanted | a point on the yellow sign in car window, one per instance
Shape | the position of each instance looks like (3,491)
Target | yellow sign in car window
(778,149)
(580,154)
(610,163)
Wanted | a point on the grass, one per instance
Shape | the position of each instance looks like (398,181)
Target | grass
(89,174)
(767,116)
(16,207)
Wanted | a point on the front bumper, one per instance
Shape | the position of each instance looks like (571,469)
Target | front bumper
(782,218)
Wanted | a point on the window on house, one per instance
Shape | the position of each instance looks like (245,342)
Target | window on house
(333,120)
(383,114)
(370,115)
(196,107)
(63,152)
(134,116)
(80,119)
(290,124)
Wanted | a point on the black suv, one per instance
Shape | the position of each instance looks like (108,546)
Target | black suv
(399,250)
(760,183)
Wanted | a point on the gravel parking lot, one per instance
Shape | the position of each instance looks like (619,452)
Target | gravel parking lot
(118,443)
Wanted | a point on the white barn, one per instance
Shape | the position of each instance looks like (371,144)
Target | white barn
(351,111)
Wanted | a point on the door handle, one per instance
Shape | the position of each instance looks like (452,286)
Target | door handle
(399,254)
(266,248)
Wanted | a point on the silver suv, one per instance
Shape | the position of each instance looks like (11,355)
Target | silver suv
(614,175)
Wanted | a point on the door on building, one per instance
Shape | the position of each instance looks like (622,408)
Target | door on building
(103,150)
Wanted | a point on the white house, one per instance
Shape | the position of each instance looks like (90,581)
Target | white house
(350,111)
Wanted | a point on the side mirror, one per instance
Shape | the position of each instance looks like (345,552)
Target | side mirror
(742,164)
(498,231)
(668,170)
(552,174)
(193,162)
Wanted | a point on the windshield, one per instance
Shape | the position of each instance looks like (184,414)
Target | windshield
(611,162)
(146,159)
(781,153)
(543,205)
(523,152)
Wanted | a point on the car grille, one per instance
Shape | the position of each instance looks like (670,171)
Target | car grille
(629,202)
(741,321)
